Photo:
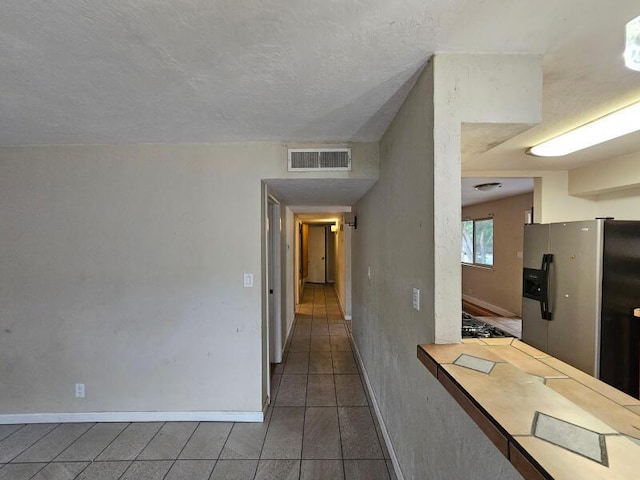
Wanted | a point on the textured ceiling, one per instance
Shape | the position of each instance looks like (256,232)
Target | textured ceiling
(167,71)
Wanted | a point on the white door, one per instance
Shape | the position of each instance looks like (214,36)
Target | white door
(316,255)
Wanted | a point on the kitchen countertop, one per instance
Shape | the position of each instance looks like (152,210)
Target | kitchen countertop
(548,418)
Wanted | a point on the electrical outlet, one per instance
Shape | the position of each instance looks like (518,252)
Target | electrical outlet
(80,390)
(416,299)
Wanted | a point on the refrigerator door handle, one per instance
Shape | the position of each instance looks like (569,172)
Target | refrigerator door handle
(545,312)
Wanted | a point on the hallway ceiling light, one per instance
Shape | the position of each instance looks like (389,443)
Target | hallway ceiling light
(632,49)
(485,187)
(613,125)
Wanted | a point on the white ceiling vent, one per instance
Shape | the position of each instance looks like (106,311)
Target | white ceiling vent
(319,159)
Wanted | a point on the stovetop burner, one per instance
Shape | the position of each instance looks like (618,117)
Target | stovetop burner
(474,328)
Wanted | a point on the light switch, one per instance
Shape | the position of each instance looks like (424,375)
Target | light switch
(248,280)
(416,299)
(519,255)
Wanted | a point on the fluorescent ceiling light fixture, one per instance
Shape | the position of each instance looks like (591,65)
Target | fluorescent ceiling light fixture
(614,125)
(632,49)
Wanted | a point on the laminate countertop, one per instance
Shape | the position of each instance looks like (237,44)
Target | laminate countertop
(548,418)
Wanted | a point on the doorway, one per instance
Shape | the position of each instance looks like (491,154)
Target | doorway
(317,254)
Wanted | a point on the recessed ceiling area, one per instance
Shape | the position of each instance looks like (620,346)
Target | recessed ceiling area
(478,138)
(510,188)
(320,191)
(319,218)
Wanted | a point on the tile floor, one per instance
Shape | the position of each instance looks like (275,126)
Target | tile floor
(320,426)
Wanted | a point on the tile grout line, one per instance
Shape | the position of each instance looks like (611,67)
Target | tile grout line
(306,391)
(182,449)
(39,470)
(304,422)
(335,388)
(141,450)
(32,444)
(109,444)
(13,433)
(91,462)
(72,443)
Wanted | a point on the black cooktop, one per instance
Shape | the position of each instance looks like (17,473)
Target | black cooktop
(474,328)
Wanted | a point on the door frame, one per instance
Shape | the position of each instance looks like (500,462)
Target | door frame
(323,229)
(273,285)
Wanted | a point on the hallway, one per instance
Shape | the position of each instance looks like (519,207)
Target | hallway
(320,426)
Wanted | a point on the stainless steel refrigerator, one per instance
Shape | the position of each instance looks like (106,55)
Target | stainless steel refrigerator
(581,283)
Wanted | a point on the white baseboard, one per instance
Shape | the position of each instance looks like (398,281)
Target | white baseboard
(376,409)
(494,308)
(91,417)
(344,315)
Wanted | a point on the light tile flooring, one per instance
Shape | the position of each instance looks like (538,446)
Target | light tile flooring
(320,426)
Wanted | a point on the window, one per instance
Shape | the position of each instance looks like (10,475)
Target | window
(477,242)
(467,241)
(632,50)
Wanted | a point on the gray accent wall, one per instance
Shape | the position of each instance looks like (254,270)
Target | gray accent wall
(431,435)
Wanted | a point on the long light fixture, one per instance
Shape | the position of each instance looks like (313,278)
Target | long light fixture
(613,125)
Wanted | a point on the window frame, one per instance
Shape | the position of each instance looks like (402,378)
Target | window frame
(473,243)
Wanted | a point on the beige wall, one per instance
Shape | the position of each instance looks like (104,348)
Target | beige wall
(331,258)
(555,203)
(606,176)
(604,189)
(622,205)
(500,285)
(122,269)
(343,268)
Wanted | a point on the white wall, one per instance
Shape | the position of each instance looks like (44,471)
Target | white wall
(122,269)
(288,270)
